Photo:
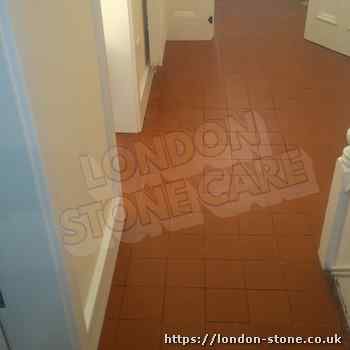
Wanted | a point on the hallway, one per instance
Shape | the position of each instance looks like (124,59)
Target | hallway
(226,187)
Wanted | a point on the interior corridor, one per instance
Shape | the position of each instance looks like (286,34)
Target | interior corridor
(227,186)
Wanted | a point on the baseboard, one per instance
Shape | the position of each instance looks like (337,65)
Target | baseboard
(343,271)
(95,308)
(342,283)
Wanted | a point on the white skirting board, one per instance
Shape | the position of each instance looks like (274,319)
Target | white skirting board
(95,308)
(343,289)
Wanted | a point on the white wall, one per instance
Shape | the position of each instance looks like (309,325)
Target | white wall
(35,316)
(57,43)
(61,51)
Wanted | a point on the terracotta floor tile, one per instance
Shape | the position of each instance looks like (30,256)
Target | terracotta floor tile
(258,83)
(297,249)
(301,276)
(260,94)
(291,224)
(108,339)
(269,307)
(155,247)
(216,114)
(309,306)
(142,303)
(221,226)
(122,267)
(220,247)
(189,118)
(264,275)
(185,246)
(215,92)
(227,306)
(257,248)
(237,93)
(115,302)
(191,230)
(224,274)
(136,334)
(213,141)
(270,119)
(256,223)
(185,273)
(184,305)
(147,272)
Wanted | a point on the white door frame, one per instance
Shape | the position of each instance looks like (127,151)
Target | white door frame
(115,27)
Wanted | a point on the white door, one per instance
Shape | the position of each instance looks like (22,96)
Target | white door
(191,19)
(328,24)
(157,30)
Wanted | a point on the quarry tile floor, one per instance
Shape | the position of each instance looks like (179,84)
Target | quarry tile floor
(226,187)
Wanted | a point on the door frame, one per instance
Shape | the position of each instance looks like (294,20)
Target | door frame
(116,38)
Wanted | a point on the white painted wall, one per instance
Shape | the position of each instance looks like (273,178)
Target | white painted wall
(36,314)
(62,72)
(65,83)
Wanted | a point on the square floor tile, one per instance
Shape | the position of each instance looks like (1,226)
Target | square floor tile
(115,301)
(300,276)
(108,339)
(122,268)
(147,272)
(221,226)
(227,306)
(142,303)
(190,230)
(224,274)
(220,247)
(291,224)
(264,275)
(154,247)
(237,93)
(136,334)
(260,93)
(185,273)
(309,306)
(184,304)
(269,307)
(297,249)
(256,223)
(257,248)
(185,246)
